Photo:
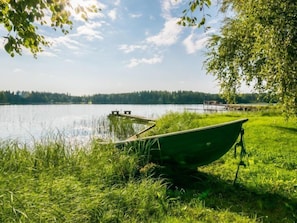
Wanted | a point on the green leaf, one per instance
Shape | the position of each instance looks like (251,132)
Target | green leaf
(8,26)
(23,17)
(202,22)
(8,47)
(258,47)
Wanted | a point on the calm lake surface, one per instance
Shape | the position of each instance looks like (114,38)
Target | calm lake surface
(76,123)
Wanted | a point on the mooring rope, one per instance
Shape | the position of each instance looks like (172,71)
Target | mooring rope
(242,154)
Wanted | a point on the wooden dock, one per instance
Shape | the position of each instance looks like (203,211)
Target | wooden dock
(217,106)
(127,114)
(213,106)
(245,107)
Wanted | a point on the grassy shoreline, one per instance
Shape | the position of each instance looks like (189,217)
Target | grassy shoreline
(54,183)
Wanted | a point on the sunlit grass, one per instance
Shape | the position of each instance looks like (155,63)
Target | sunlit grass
(267,186)
(56,182)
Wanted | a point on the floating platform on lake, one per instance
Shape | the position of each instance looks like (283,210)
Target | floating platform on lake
(128,114)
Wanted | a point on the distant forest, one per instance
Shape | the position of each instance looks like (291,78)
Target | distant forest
(142,97)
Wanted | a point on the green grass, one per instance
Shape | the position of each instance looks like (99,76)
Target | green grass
(54,182)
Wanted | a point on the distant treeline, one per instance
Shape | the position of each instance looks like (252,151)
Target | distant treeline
(142,97)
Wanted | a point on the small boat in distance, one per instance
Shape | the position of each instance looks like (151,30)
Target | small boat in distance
(189,148)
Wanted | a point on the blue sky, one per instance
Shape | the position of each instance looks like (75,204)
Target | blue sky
(131,45)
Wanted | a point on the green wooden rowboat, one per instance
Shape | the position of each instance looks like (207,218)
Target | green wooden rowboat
(189,148)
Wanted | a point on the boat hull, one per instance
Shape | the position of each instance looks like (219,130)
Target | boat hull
(190,148)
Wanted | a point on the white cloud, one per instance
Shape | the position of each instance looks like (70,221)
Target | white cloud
(168,35)
(194,43)
(167,6)
(135,62)
(47,54)
(117,2)
(134,16)
(112,14)
(88,30)
(130,48)
(2,43)
(66,41)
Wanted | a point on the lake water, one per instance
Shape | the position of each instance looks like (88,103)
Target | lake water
(76,123)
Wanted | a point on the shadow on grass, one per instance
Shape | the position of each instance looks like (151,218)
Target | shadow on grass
(219,194)
(287,129)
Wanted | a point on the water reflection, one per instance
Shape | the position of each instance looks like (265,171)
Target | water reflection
(76,123)
(123,128)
